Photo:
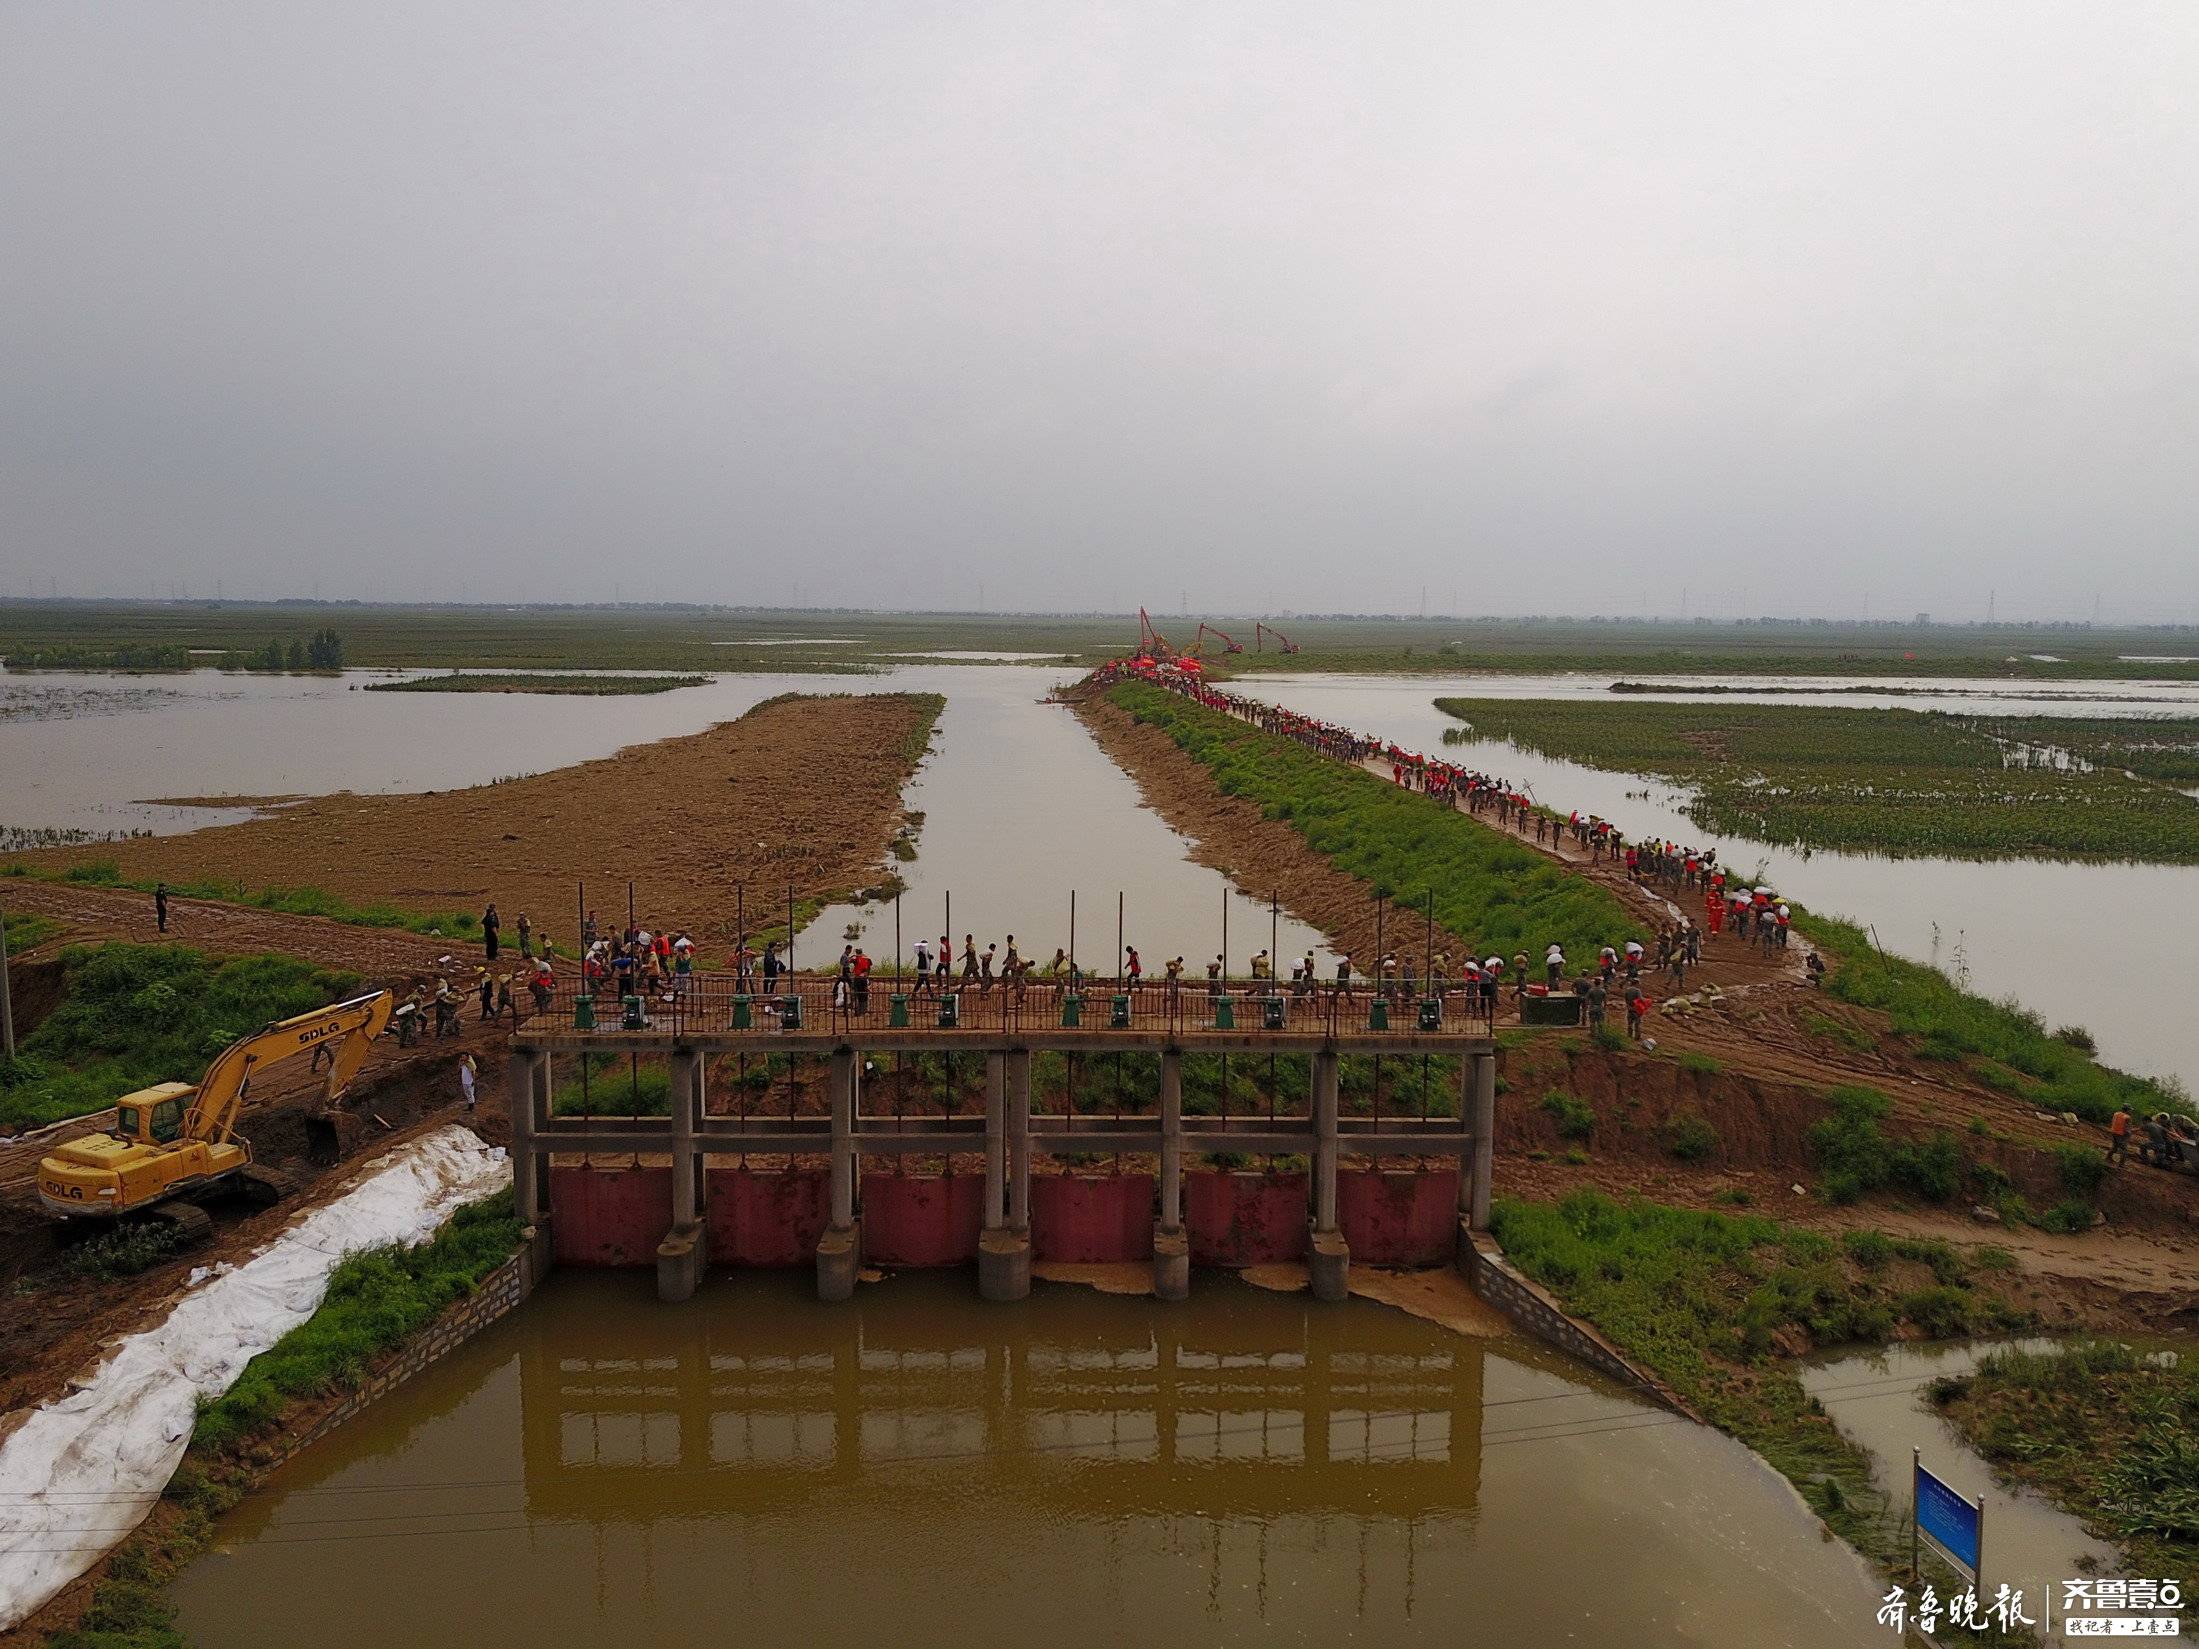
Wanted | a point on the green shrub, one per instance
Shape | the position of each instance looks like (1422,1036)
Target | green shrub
(2068,1218)
(1940,1312)
(1948,1267)
(615,1088)
(1700,1063)
(124,1615)
(1691,1138)
(2081,1169)
(1869,1249)
(1854,1157)
(1837,1030)
(133,1015)
(1932,1170)
(1574,1119)
(123,1251)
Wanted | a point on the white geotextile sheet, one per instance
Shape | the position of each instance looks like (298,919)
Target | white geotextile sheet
(81,1472)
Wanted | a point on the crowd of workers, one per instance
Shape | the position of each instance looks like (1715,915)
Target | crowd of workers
(1682,874)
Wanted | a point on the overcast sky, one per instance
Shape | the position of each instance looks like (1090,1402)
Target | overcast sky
(1267,306)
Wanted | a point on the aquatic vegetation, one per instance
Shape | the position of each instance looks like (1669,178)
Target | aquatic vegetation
(2041,1417)
(30,838)
(588,686)
(1898,781)
(126,656)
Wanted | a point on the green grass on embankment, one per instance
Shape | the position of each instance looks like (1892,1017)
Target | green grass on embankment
(2108,1431)
(2003,1043)
(588,686)
(1704,1302)
(1888,781)
(132,1015)
(27,932)
(1512,898)
(1497,894)
(375,1302)
(285,901)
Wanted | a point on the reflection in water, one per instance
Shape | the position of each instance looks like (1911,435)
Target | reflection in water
(1077,1469)
(1020,808)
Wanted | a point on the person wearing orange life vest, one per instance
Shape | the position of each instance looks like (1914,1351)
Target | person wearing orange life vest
(2118,1136)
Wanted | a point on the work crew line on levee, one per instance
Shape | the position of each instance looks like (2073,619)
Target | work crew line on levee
(659,964)
(1755,915)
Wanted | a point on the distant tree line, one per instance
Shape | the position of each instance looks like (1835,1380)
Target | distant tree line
(323,650)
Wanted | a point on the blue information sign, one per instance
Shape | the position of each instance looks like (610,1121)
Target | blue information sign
(1951,1521)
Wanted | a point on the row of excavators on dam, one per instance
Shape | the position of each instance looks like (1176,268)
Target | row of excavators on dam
(1155,649)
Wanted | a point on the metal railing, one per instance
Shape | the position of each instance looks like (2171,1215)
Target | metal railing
(715,1005)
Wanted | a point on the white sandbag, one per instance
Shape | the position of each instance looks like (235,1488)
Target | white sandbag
(82,1471)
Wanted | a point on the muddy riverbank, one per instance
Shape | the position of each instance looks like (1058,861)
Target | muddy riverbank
(800,791)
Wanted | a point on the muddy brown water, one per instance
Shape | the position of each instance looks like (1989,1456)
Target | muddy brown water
(2029,1543)
(1020,806)
(921,1468)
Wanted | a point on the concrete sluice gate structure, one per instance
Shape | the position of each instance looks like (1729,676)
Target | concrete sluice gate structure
(679,1208)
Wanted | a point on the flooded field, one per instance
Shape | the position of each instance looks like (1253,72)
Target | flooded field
(1961,695)
(1242,1468)
(1020,806)
(2069,940)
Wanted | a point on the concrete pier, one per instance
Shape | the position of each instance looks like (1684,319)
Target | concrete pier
(687,1234)
(679,1256)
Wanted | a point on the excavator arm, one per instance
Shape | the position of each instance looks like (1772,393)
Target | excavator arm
(345,1030)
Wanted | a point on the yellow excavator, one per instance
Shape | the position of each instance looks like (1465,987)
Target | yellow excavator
(172,1142)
